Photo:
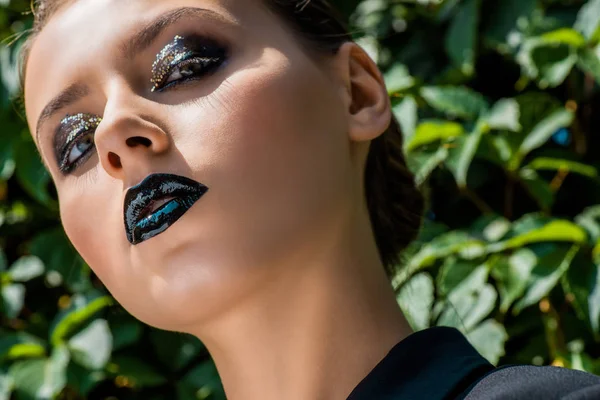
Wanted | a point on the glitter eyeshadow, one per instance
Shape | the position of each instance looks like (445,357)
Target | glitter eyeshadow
(79,123)
(75,125)
(168,57)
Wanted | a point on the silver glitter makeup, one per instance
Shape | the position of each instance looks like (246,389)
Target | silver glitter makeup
(74,126)
(79,123)
(201,54)
(168,57)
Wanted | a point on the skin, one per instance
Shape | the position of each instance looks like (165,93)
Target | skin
(275,269)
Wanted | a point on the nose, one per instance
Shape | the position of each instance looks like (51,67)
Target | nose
(129,138)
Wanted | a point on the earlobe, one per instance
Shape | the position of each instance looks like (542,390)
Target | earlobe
(368,105)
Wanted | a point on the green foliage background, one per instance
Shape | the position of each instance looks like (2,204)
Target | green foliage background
(496,99)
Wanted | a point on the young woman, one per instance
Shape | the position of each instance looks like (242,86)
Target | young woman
(231,169)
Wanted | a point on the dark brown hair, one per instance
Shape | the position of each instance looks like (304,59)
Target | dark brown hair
(394,202)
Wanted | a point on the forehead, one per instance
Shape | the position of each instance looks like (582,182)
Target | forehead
(81,41)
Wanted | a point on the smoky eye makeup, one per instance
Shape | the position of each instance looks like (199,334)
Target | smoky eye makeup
(186,58)
(74,140)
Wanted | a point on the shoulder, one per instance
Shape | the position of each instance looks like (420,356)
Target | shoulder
(531,382)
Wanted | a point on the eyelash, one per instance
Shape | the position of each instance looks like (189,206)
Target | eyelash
(207,64)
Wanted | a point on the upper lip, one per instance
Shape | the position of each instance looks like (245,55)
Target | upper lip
(139,199)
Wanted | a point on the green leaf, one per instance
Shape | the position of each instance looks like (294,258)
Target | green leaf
(589,62)
(496,229)
(545,276)
(543,131)
(504,115)
(453,272)
(416,299)
(6,387)
(28,377)
(554,231)
(55,373)
(440,247)
(588,18)
(455,101)
(424,163)
(470,301)
(26,268)
(431,131)
(564,36)
(488,339)
(594,301)
(20,345)
(581,280)
(554,63)
(461,39)
(589,219)
(465,154)
(91,348)
(41,379)
(398,79)
(556,164)
(13,299)
(81,310)
(512,274)
(549,63)
(142,374)
(406,112)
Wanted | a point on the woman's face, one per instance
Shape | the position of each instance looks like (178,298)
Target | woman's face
(217,91)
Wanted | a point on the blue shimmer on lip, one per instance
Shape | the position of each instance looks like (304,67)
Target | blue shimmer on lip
(155,218)
(161,219)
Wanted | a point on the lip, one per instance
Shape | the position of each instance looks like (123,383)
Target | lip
(143,219)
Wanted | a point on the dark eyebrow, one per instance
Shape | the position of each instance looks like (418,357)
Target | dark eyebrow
(147,34)
(129,49)
(68,96)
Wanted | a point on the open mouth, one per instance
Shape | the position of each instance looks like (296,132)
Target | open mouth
(153,205)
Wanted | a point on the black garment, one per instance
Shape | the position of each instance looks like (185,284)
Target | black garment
(439,363)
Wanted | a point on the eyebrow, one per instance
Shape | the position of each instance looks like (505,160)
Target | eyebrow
(140,41)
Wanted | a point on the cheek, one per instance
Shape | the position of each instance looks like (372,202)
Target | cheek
(96,235)
(274,146)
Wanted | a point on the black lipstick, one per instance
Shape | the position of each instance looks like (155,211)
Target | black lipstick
(156,203)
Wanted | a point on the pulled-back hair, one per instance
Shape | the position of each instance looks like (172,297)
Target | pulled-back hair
(395,204)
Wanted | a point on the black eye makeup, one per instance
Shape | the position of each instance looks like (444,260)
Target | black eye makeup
(74,140)
(186,59)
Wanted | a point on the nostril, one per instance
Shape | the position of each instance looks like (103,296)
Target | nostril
(114,160)
(133,141)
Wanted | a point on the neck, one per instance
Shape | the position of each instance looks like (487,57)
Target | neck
(314,333)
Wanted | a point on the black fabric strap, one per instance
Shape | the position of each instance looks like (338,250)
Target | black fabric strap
(435,363)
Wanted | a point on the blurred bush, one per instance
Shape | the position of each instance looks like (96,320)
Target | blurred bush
(496,103)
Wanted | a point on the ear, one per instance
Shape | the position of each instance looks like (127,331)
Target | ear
(365,95)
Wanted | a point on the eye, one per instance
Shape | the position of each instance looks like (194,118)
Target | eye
(192,68)
(79,142)
(185,59)
(80,147)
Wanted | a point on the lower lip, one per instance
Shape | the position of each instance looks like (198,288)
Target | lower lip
(161,219)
